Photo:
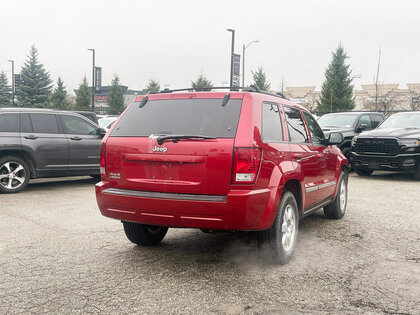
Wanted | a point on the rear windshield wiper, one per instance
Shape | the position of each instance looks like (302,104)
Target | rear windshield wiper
(176,138)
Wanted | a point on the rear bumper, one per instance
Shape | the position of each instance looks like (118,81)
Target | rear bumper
(239,210)
(399,162)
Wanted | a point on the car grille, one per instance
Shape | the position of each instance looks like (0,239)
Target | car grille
(377,146)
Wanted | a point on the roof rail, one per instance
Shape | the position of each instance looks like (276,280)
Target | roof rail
(252,88)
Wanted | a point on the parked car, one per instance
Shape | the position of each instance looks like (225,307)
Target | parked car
(349,124)
(107,121)
(89,115)
(393,146)
(37,143)
(237,161)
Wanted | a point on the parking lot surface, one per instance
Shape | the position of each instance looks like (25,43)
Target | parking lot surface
(59,255)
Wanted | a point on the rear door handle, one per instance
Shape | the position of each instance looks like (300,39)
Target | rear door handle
(297,156)
(31,137)
(76,138)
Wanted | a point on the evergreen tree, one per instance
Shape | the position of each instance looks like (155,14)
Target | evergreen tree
(5,91)
(337,90)
(59,96)
(36,85)
(83,96)
(260,79)
(202,83)
(115,98)
(153,86)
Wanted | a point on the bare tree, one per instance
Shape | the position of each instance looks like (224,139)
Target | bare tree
(413,99)
(376,79)
(384,100)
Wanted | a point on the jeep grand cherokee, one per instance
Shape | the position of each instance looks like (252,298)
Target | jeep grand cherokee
(220,162)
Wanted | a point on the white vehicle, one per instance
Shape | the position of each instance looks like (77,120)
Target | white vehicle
(107,121)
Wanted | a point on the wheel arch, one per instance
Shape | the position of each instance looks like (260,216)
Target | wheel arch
(23,154)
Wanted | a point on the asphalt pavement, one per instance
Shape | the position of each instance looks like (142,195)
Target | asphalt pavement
(59,255)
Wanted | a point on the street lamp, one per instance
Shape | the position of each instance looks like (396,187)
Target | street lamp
(13,82)
(231,54)
(93,78)
(243,60)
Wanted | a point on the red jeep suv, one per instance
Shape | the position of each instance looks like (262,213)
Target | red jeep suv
(236,161)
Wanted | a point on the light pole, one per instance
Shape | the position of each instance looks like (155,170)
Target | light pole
(243,60)
(93,78)
(13,82)
(231,55)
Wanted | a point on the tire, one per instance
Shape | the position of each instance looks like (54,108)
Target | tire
(96,177)
(278,243)
(363,171)
(347,154)
(14,174)
(144,235)
(417,173)
(337,209)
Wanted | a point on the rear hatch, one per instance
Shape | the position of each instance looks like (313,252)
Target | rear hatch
(196,134)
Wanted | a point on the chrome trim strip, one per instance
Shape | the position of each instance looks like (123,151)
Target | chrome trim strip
(325,185)
(318,187)
(312,188)
(159,195)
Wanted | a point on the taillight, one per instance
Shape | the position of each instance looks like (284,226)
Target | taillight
(102,163)
(246,164)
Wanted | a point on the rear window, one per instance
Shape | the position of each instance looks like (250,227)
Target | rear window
(9,122)
(205,117)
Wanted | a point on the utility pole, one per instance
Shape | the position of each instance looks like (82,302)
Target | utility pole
(231,55)
(13,82)
(243,60)
(93,78)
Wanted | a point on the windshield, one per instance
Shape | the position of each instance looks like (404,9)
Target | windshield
(193,116)
(105,121)
(337,121)
(408,120)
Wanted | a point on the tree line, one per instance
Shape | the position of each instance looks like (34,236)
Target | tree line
(36,87)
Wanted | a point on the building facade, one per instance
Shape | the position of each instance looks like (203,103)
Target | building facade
(386,98)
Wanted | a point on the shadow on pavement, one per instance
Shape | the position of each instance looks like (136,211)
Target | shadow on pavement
(61,182)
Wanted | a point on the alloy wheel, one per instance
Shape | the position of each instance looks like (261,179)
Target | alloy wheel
(288,228)
(12,175)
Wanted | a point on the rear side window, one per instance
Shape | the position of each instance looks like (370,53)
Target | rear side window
(9,122)
(193,116)
(44,123)
(271,123)
(26,123)
(376,120)
(295,125)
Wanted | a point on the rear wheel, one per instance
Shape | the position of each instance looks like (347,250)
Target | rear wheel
(144,235)
(417,173)
(337,209)
(363,171)
(14,174)
(279,242)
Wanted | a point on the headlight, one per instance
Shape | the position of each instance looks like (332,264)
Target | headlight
(353,140)
(409,142)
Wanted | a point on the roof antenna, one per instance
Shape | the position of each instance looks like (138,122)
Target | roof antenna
(226,99)
(143,102)
(256,88)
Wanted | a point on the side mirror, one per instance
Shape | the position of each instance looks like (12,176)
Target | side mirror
(361,128)
(335,138)
(101,131)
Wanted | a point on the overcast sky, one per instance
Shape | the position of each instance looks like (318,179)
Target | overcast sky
(174,41)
